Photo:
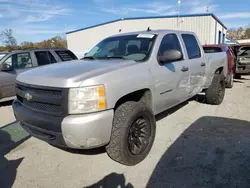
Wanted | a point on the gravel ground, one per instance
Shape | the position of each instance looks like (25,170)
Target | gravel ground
(196,146)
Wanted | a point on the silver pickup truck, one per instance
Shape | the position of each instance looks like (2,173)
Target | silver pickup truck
(111,97)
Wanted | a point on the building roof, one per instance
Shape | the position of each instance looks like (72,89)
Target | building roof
(154,17)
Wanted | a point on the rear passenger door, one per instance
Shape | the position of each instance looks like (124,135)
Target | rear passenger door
(44,58)
(196,63)
(171,78)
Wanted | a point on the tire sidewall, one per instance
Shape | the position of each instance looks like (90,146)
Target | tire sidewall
(124,116)
(141,110)
(212,96)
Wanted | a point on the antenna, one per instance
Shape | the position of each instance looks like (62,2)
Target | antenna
(148,29)
(207,11)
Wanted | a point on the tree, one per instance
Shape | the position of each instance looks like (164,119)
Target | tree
(8,39)
(27,45)
(247,33)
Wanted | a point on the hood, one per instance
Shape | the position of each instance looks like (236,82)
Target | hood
(71,73)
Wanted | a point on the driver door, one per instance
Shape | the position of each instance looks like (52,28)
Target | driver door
(171,78)
(18,62)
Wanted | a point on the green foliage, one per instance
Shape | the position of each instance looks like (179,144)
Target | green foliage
(10,43)
(239,33)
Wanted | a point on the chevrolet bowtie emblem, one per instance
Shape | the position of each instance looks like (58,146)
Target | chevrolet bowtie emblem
(28,97)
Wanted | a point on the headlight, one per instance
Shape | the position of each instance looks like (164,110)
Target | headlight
(87,99)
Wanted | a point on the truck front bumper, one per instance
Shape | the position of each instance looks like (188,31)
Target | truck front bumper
(74,131)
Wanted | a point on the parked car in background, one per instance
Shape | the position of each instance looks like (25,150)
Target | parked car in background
(231,59)
(16,62)
(243,61)
(2,54)
(112,96)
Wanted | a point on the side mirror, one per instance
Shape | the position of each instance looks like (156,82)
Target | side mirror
(170,56)
(6,67)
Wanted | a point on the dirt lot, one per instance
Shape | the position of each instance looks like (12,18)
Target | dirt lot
(196,146)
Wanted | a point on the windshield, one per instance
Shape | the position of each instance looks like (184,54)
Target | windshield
(244,51)
(2,56)
(130,47)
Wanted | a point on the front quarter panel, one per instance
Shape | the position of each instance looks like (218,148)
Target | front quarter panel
(123,81)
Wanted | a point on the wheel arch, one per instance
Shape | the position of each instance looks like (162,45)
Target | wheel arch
(144,95)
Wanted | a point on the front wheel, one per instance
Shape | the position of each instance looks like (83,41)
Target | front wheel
(132,134)
(216,92)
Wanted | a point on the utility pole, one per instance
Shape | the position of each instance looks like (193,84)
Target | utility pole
(178,13)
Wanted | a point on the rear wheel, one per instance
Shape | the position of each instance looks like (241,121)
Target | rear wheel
(230,81)
(216,92)
(132,134)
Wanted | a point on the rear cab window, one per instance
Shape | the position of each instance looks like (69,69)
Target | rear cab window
(66,55)
(212,49)
(192,46)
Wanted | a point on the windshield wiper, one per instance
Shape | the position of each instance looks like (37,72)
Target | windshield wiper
(112,57)
(88,57)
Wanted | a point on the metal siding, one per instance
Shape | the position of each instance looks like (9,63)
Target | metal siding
(84,40)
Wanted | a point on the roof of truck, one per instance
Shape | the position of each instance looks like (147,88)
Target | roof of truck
(37,49)
(159,31)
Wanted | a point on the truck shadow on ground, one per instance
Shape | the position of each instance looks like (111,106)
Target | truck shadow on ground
(6,103)
(238,81)
(212,152)
(112,180)
(8,168)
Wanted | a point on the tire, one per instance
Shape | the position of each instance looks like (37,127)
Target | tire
(237,76)
(230,82)
(216,92)
(128,116)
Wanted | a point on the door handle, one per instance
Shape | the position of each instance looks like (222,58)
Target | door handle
(203,64)
(184,69)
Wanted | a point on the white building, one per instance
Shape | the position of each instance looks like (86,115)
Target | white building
(208,27)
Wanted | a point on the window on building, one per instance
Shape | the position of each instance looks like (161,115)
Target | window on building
(192,46)
(219,39)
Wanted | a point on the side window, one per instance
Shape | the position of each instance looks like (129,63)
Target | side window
(9,61)
(51,58)
(192,46)
(42,58)
(66,55)
(23,61)
(169,42)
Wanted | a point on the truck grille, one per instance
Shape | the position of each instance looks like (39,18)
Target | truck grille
(42,99)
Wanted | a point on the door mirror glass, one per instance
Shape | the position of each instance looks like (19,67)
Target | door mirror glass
(6,67)
(170,56)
